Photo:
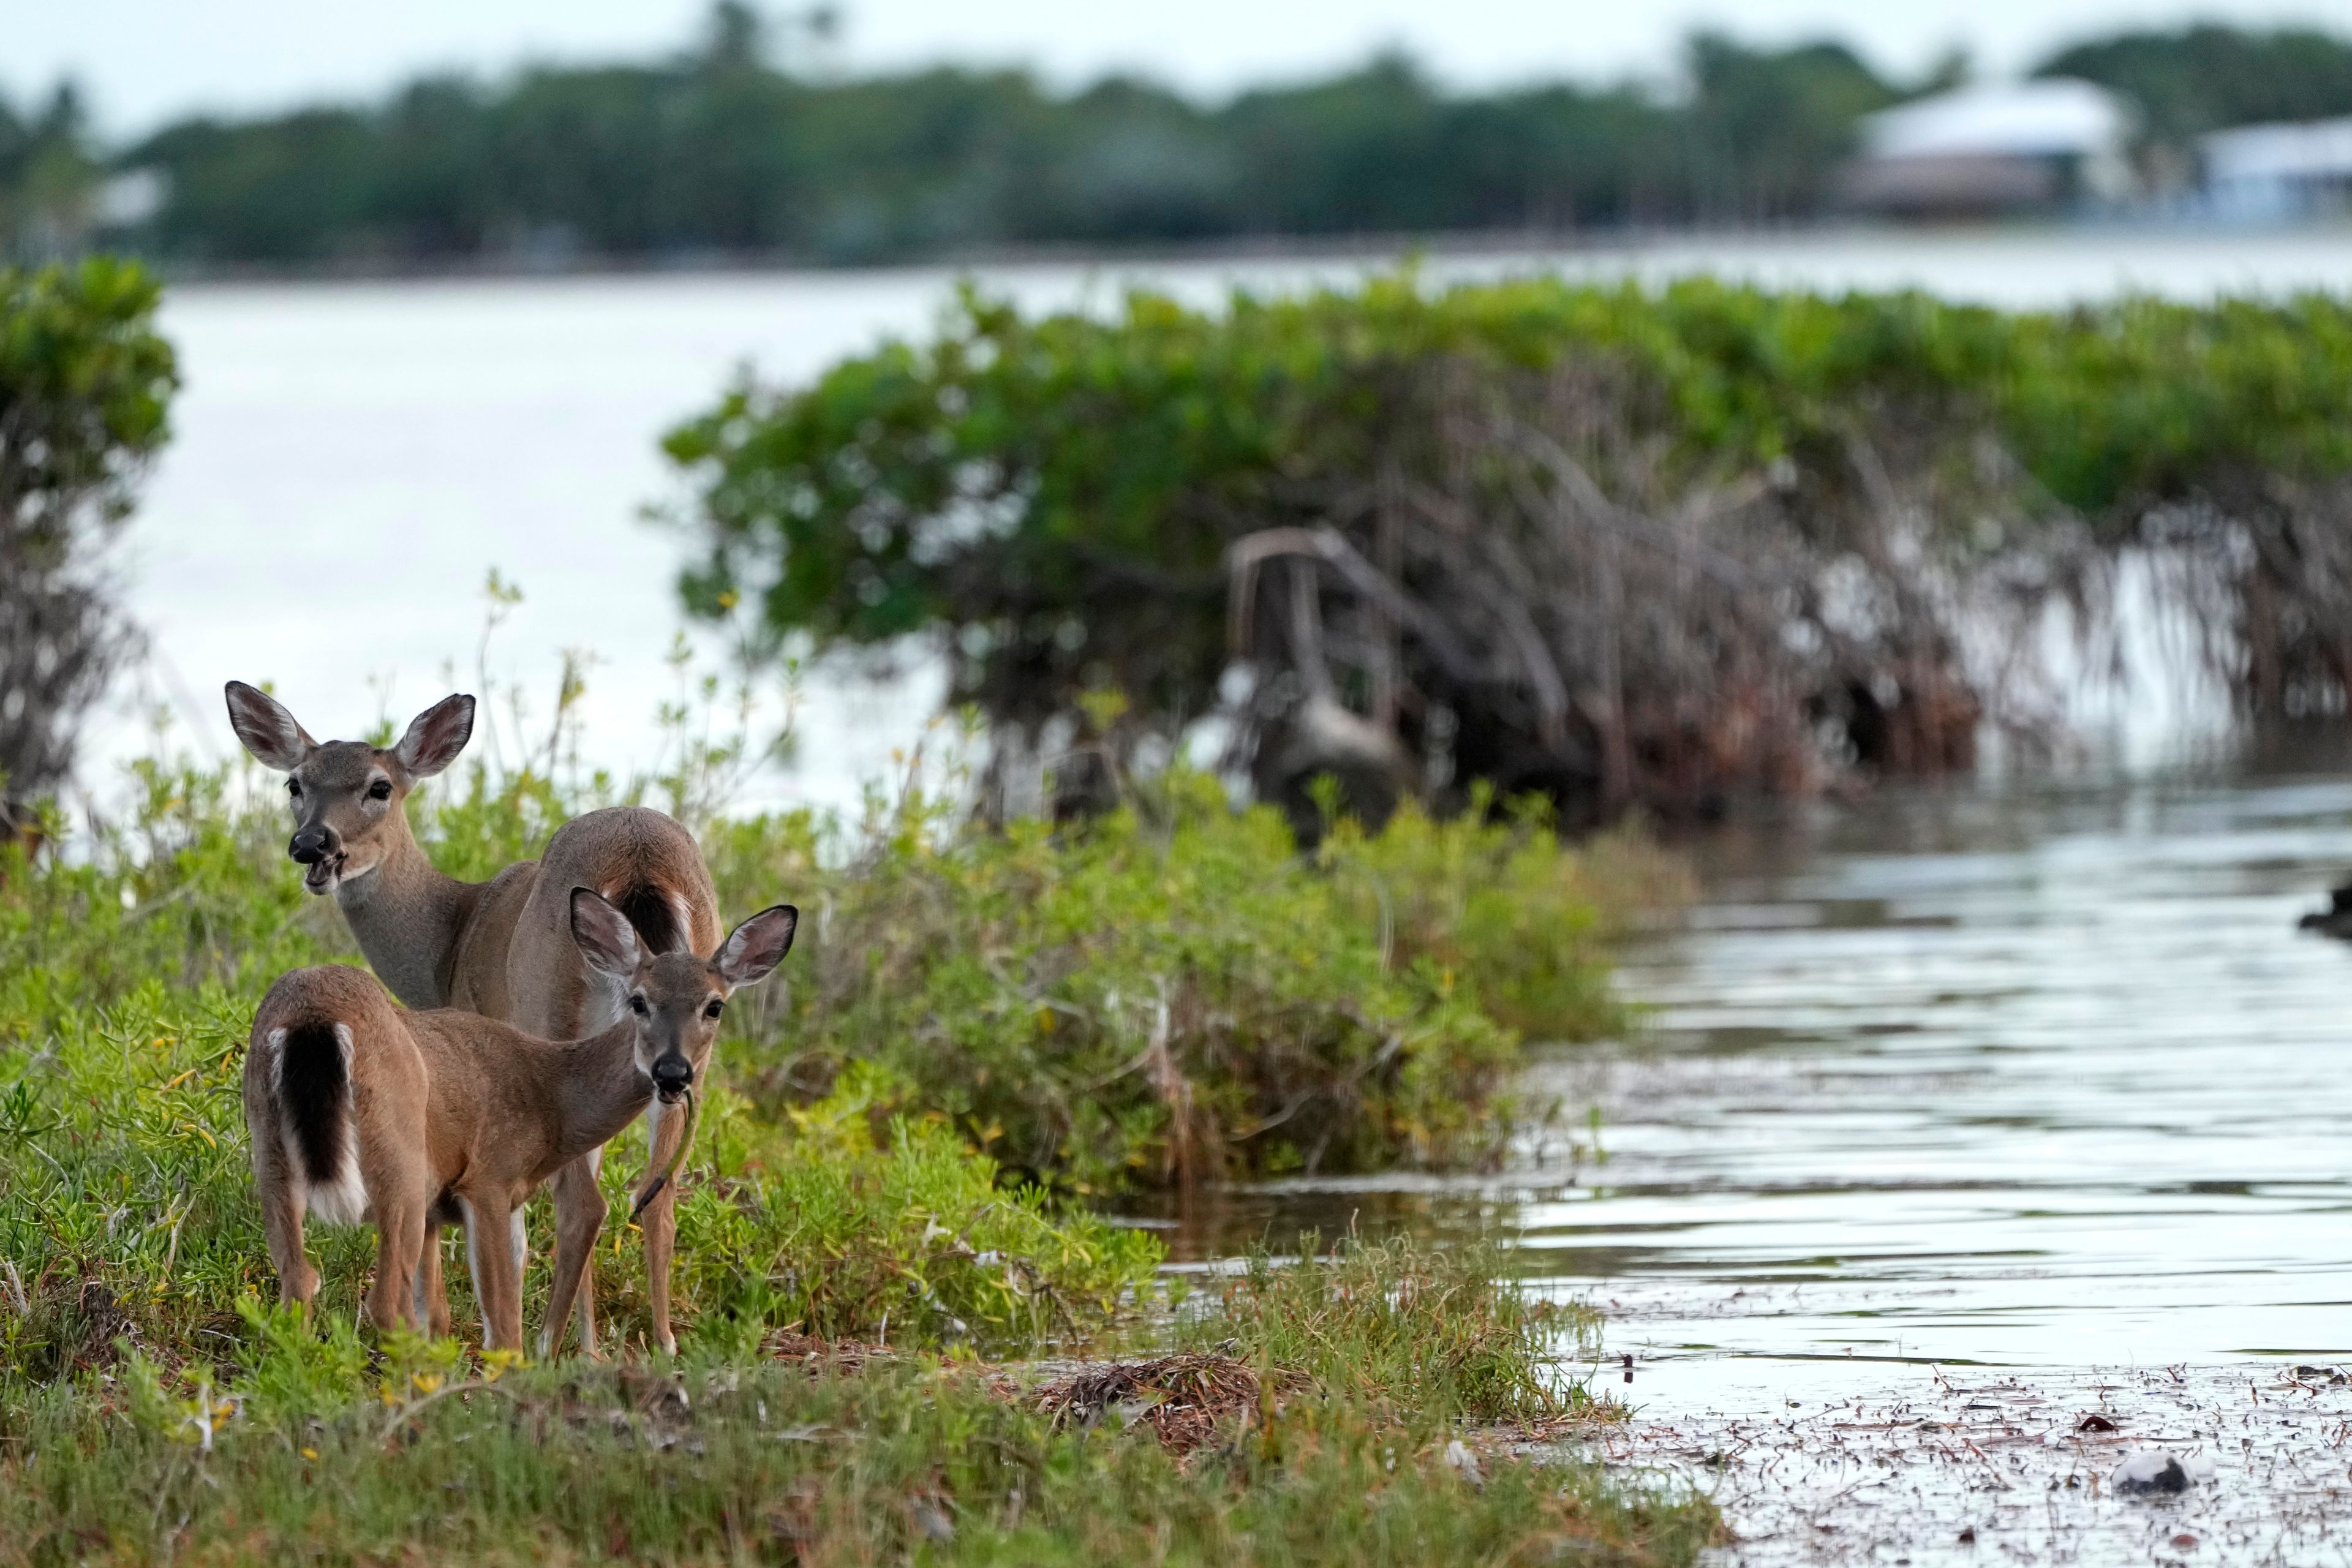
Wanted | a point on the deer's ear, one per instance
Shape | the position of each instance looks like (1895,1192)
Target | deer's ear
(435,736)
(268,730)
(757,946)
(606,938)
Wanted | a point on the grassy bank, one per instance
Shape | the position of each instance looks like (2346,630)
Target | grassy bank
(1375,1418)
(973,1021)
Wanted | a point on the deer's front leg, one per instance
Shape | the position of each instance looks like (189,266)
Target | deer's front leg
(578,1217)
(666,1127)
(576,1194)
(489,1252)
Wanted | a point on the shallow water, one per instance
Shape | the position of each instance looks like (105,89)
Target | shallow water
(2039,1088)
(2042,1078)
(2030,1078)
(1966,1467)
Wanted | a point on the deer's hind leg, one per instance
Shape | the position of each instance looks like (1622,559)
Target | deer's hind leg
(392,1299)
(281,1219)
(430,1295)
(400,1201)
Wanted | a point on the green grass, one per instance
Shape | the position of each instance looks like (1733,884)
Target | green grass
(1402,1325)
(901,1462)
(1408,1374)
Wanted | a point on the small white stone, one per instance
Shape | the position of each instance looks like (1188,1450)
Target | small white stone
(1458,1455)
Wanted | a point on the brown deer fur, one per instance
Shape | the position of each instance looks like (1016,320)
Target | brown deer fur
(360,1109)
(501,947)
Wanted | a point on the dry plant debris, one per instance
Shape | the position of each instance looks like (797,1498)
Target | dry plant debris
(1184,1399)
(818,1355)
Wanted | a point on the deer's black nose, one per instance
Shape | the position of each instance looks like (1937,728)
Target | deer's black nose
(312,845)
(673,1076)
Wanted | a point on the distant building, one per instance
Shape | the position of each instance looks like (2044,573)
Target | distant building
(2022,147)
(132,198)
(2258,171)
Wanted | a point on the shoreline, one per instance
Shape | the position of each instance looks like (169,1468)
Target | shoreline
(1567,245)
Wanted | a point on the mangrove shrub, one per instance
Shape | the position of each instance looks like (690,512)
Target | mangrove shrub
(1618,544)
(84,384)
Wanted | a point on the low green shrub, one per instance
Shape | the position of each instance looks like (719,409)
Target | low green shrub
(849,1221)
(85,385)
(1169,993)
(1173,992)
(1440,1332)
(183,889)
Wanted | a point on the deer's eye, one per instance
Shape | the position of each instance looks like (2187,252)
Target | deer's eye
(294,788)
(637,1006)
(714,1009)
(380,790)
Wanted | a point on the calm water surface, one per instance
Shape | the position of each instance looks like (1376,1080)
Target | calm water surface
(2038,1078)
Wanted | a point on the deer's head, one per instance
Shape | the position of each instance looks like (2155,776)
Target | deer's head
(675,999)
(346,796)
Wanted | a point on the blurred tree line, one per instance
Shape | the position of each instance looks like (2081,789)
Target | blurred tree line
(84,387)
(737,147)
(2207,78)
(51,175)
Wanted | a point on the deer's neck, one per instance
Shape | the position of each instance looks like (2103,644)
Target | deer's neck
(598,1089)
(408,918)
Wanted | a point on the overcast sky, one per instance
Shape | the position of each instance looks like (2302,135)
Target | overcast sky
(146,61)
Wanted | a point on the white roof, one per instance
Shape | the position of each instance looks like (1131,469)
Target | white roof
(2320,148)
(2035,119)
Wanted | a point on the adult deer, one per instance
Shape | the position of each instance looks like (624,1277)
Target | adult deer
(501,947)
(361,1110)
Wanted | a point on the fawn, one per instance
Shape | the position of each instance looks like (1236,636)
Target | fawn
(360,1109)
